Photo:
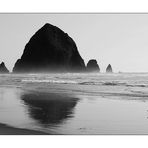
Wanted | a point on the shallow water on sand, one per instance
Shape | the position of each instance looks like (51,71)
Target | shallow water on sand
(76,103)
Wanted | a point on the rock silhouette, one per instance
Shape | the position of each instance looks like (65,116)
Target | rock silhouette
(92,66)
(50,50)
(109,69)
(3,68)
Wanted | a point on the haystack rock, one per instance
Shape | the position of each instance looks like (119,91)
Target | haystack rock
(3,68)
(50,50)
(109,69)
(92,66)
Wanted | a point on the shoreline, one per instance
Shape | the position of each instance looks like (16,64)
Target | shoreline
(9,130)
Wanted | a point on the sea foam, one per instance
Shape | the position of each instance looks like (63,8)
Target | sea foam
(49,81)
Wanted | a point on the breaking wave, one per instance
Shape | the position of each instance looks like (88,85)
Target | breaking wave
(61,81)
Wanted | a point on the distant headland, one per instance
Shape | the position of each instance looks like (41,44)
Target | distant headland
(52,50)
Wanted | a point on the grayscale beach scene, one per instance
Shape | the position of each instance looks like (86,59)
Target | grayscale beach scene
(73,74)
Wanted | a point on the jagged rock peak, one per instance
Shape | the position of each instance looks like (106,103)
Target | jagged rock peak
(109,69)
(50,50)
(3,68)
(92,65)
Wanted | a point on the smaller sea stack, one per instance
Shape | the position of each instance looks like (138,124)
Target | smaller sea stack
(92,66)
(3,68)
(109,69)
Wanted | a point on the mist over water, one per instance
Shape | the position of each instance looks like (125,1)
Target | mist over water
(76,103)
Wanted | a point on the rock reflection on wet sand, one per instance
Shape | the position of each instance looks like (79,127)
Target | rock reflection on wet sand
(49,109)
(34,110)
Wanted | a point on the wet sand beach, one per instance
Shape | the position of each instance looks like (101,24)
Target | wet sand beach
(74,104)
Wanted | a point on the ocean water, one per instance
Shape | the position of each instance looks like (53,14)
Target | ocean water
(77,103)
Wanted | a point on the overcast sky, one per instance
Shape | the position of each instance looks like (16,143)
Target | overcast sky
(117,39)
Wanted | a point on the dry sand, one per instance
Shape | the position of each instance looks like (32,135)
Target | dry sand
(7,130)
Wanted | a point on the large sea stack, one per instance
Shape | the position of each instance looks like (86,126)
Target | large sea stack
(109,69)
(50,50)
(92,66)
(3,68)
